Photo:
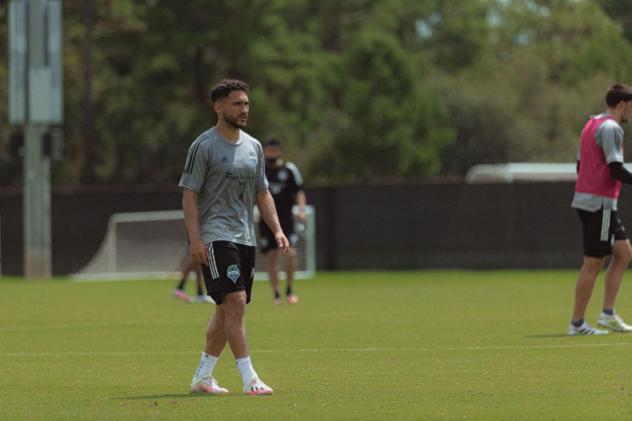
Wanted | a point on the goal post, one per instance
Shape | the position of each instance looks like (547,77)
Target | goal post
(148,245)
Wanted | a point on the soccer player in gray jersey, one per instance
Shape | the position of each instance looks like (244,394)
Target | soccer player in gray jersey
(223,178)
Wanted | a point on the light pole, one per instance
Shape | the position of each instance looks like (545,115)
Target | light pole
(36,104)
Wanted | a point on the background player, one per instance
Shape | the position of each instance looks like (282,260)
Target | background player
(286,186)
(190,265)
(600,172)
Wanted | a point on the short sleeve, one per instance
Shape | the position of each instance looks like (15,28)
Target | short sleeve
(610,139)
(195,167)
(261,181)
(297,178)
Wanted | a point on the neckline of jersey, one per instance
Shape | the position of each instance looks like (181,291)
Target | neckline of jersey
(223,139)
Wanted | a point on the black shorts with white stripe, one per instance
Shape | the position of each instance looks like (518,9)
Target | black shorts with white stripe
(231,268)
(600,230)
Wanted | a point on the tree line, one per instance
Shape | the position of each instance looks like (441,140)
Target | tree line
(359,91)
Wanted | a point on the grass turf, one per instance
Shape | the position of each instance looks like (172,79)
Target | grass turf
(359,346)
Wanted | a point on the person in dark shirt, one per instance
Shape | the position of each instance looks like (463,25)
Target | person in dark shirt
(286,186)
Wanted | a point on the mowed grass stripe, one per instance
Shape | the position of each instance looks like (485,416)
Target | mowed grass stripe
(329,350)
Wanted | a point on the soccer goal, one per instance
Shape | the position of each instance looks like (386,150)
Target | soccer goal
(143,245)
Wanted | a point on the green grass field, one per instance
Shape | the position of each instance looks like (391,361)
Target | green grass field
(359,346)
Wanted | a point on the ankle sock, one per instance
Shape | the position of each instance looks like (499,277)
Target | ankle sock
(245,369)
(206,366)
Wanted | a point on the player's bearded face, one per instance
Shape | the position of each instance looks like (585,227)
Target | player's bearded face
(235,109)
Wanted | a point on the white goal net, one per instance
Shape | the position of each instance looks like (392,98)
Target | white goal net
(154,244)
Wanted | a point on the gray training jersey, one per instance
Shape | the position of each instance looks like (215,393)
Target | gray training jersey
(609,137)
(227,177)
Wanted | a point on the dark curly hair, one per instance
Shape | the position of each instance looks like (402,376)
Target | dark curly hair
(226,86)
(618,93)
(273,142)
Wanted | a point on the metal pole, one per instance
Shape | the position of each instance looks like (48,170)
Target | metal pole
(42,50)
(36,104)
(37,224)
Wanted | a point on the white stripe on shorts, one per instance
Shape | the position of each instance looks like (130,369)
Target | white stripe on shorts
(605,224)
(212,262)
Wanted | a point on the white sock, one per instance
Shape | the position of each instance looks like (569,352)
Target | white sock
(207,364)
(245,368)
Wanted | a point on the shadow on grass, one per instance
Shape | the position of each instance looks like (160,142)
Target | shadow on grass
(179,396)
(548,335)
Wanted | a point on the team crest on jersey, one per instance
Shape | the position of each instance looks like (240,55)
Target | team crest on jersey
(253,158)
(282,175)
(233,273)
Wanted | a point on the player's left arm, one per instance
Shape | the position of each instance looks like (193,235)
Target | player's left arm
(265,202)
(301,202)
(610,139)
(295,184)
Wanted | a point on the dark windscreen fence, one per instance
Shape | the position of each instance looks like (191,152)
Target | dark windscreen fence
(11,233)
(459,226)
(357,227)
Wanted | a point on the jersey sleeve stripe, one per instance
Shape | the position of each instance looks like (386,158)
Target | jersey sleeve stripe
(298,178)
(191,159)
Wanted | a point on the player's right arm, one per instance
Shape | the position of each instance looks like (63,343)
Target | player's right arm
(190,207)
(192,182)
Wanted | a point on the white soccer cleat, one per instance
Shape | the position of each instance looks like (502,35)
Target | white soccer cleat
(584,329)
(614,323)
(256,387)
(207,385)
(203,299)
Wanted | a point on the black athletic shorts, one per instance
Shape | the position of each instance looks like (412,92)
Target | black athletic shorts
(232,268)
(266,237)
(600,230)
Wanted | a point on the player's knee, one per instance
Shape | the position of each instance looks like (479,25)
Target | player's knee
(235,304)
(593,264)
(623,255)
